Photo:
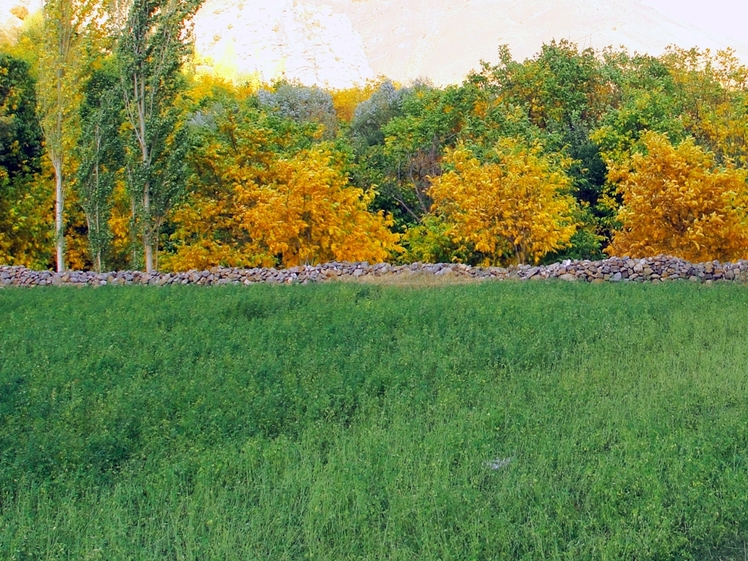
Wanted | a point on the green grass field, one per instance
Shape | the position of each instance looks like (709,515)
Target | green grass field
(347,421)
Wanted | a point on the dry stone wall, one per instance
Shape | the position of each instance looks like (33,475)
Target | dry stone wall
(616,269)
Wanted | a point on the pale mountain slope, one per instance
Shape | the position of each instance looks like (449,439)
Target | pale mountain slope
(445,39)
(340,42)
(281,38)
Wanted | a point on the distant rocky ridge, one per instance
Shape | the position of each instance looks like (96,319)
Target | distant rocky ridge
(337,43)
(616,269)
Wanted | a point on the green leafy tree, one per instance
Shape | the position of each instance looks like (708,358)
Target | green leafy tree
(151,49)
(23,199)
(370,116)
(565,93)
(399,137)
(415,141)
(20,135)
(100,153)
(645,100)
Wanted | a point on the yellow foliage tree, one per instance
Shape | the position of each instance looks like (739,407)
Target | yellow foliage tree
(68,26)
(345,101)
(517,207)
(310,214)
(676,202)
(712,91)
(298,211)
(124,241)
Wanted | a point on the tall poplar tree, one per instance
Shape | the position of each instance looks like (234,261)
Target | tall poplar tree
(100,155)
(61,64)
(155,41)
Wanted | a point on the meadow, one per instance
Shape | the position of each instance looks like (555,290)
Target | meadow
(359,421)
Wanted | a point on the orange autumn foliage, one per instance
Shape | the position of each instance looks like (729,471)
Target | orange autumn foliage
(518,207)
(676,202)
(310,214)
(300,210)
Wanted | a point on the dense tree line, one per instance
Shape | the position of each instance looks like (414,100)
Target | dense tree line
(115,154)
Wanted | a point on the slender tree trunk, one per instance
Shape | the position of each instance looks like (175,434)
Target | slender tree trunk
(59,214)
(97,261)
(97,229)
(147,229)
(147,233)
(56,152)
(156,230)
(148,250)
(133,232)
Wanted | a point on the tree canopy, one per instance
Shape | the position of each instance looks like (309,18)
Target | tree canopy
(568,154)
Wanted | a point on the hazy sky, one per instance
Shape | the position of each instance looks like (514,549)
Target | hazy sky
(725,17)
